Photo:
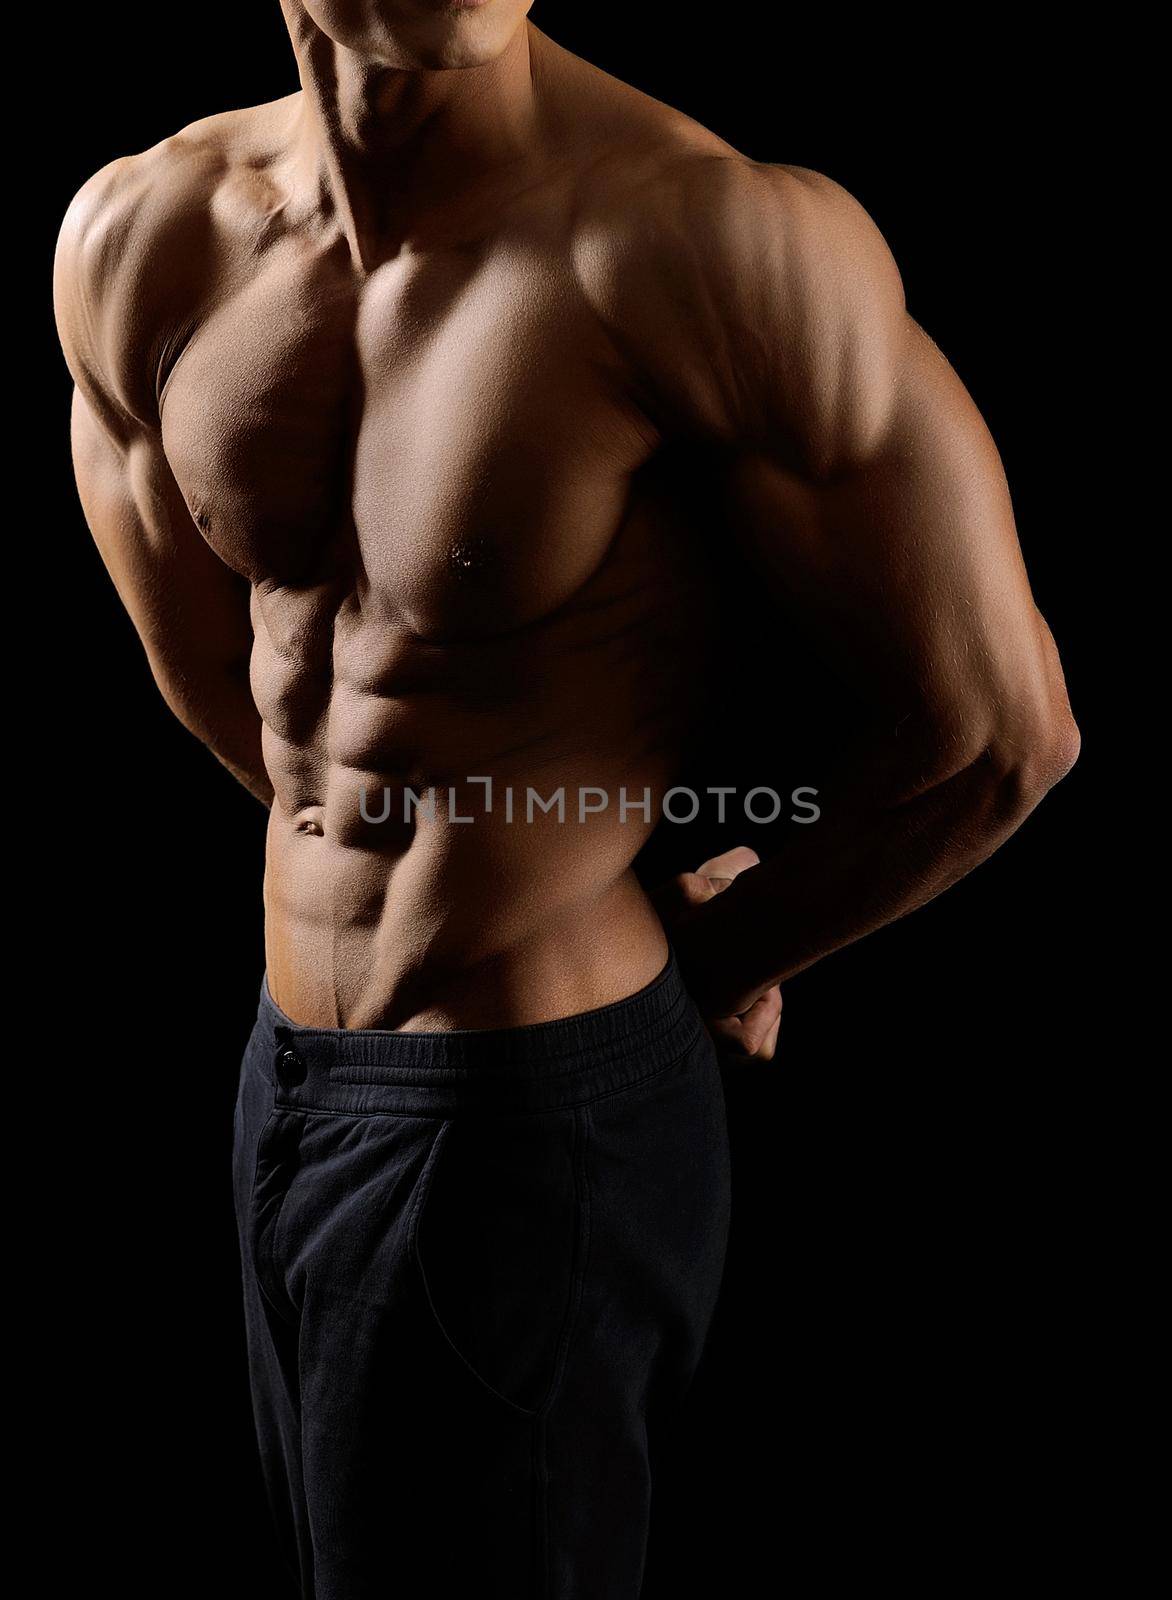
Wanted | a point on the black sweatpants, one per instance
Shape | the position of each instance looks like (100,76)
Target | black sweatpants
(479,1268)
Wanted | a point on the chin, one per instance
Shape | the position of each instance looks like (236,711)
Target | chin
(421,35)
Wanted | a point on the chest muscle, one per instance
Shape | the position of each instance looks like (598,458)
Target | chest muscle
(449,440)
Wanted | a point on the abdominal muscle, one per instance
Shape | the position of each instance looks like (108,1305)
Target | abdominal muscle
(445,935)
(385,916)
(400,894)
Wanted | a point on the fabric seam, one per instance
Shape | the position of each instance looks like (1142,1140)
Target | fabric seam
(528,1111)
(417,1209)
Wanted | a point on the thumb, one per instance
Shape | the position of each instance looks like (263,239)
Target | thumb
(711,877)
(685,892)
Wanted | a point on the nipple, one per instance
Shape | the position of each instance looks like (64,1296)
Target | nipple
(470,556)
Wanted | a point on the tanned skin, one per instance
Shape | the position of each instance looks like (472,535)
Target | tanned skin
(371,384)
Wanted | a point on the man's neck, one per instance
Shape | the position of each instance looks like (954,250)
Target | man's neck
(391,147)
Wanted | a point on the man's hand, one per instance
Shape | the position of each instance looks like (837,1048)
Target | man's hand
(752,1035)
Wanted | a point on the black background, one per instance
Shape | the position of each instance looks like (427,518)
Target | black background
(896,1383)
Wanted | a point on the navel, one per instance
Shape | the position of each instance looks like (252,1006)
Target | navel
(311,821)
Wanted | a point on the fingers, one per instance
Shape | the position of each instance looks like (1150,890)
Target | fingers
(753,1036)
(761,1022)
(769,1049)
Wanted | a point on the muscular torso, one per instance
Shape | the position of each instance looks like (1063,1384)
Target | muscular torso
(458,444)
(437,480)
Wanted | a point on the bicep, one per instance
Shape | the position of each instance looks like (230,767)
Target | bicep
(190,610)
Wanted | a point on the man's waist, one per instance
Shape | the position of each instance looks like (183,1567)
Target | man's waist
(420,941)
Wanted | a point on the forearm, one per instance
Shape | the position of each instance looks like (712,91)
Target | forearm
(216,705)
(191,611)
(859,867)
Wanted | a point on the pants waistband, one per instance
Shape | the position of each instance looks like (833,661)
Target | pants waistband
(539,1067)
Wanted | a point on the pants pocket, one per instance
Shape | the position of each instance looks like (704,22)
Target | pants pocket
(276,1163)
(498,1239)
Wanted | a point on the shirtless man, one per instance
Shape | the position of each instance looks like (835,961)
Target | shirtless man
(374,389)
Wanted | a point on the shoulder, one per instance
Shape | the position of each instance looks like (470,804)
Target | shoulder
(134,248)
(801,241)
(685,205)
(746,289)
(688,249)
